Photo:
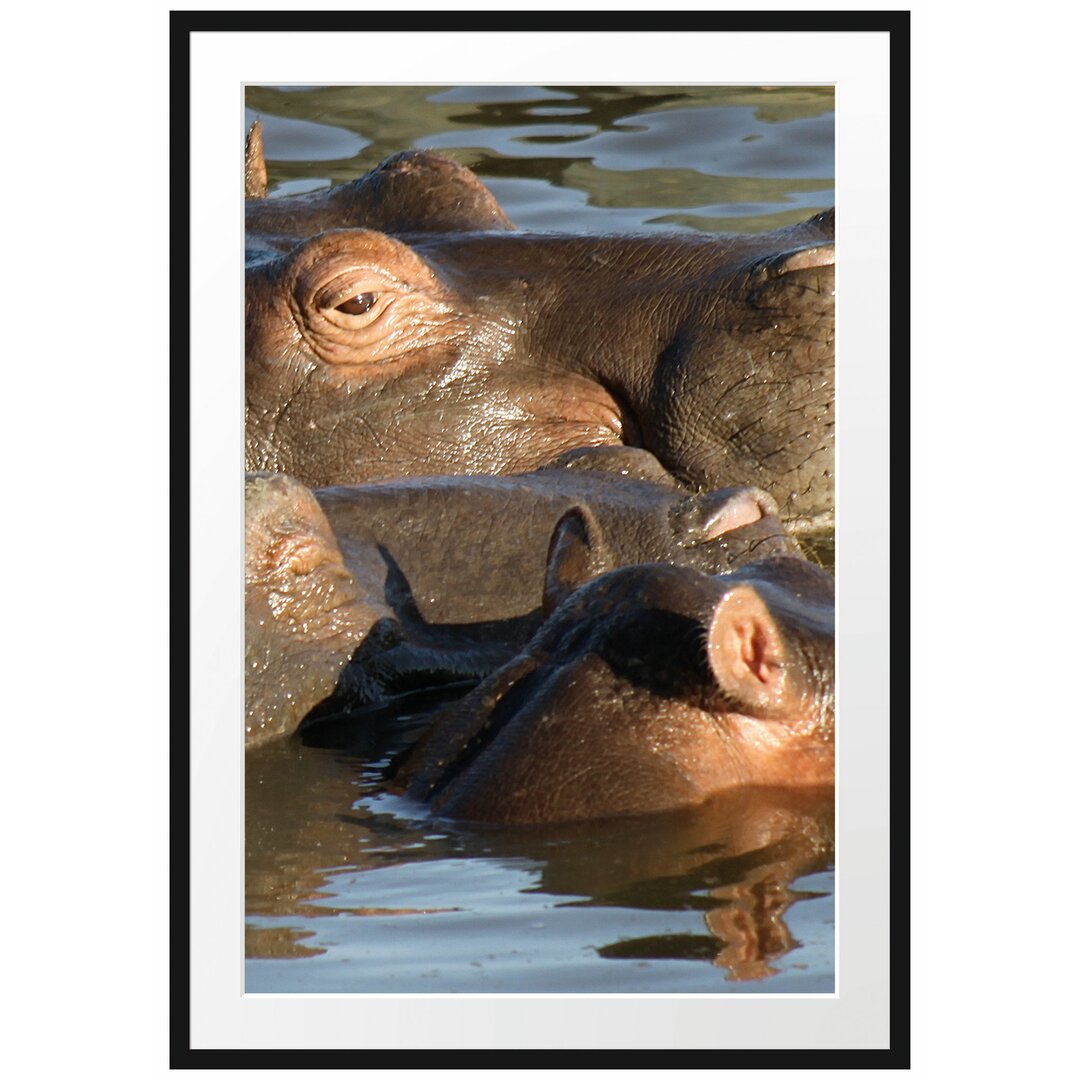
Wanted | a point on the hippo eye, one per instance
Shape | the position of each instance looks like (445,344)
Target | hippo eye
(358,304)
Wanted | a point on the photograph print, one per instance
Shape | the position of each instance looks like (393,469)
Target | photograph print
(539,684)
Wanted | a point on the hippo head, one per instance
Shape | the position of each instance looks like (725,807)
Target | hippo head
(415,191)
(649,688)
(305,613)
(364,363)
(372,356)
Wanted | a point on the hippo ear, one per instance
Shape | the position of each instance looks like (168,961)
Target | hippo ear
(806,257)
(576,554)
(255,182)
(803,276)
(700,519)
(420,191)
(812,257)
(746,652)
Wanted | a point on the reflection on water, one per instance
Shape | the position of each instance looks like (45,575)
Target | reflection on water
(350,889)
(388,900)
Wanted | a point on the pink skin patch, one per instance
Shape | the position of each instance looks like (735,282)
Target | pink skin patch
(742,509)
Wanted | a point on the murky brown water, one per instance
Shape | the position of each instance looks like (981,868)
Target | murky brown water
(353,890)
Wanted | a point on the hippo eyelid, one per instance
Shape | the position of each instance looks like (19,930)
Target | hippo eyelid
(368,318)
(342,291)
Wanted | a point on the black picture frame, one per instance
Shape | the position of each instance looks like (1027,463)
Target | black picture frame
(896,24)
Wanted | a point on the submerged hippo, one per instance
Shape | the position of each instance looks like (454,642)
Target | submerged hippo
(474,549)
(650,688)
(415,191)
(305,613)
(375,356)
(356,594)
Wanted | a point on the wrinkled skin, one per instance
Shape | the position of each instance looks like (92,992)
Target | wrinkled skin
(387,589)
(305,613)
(475,549)
(415,191)
(650,688)
(372,357)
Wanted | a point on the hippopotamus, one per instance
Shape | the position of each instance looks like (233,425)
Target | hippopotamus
(650,688)
(363,593)
(474,549)
(416,191)
(305,612)
(416,345)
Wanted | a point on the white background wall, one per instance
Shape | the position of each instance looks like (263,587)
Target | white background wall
(86,423)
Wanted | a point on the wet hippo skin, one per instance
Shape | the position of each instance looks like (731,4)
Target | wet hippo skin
(650,688)
(416,191)
(474,549)
(305,613)
(357,594)
(435,350)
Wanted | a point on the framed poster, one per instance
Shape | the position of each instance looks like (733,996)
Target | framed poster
(367,926)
